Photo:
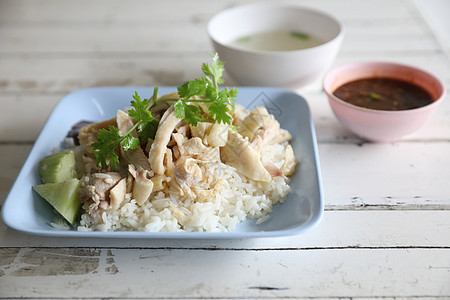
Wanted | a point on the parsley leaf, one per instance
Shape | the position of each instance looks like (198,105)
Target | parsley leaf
(219,110)
(147,130)
(140,111)
(190,113)
(104,147)
(215,70)
(193,88)
(206,90)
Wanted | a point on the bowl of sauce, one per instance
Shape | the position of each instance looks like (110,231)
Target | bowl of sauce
(382,101)
(275,44)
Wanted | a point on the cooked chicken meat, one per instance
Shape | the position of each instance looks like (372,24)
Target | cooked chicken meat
(239,154)
(96,190)
(136,156)
(143,185)
(185,159)
(158,149)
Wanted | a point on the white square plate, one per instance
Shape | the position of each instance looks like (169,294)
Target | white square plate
(302,209)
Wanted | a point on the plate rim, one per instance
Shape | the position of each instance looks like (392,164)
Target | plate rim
(312,222)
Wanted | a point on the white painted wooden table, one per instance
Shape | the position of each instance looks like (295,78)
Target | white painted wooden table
(386,227)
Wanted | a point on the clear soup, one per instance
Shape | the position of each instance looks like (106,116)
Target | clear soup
(277,41)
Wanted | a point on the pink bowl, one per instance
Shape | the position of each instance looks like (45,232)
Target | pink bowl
(379,125)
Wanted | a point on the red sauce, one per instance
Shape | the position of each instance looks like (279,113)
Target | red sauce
(383,94)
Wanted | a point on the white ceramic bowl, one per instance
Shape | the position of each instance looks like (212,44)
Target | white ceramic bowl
(293,68)
(381,125)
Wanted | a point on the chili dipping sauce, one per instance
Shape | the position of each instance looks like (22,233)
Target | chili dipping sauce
(383,94)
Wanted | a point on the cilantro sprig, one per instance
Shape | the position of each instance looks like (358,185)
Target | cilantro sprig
(108,140)
(204,91)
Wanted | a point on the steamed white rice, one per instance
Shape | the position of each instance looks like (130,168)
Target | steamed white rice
(238,198)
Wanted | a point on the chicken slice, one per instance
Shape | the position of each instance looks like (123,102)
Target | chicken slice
(210,155)
(143,185)
(136,156)
(187,172)
(96,189)
(158,149)
(179,139)
(255,120)
(201,130)
(158,182)
(273,170)
(117,194)
(170,171)
(290,162)
(194,146)
(239,154)
(218,135)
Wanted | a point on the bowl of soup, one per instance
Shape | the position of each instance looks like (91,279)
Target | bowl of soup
(275,44)
(382,101)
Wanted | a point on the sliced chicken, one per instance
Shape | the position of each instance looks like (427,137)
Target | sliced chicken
(143,185)
(255,120)
(269,131)
(273,170)
(209,155)
(240,113)
(170,171)
(117,194)
(179,140)
(194,147)
(218,135)
(201,130)
(239,154)
(187,172)
(158,182)
(96,189)
(158,149)
(282,137)
(136,156)
(290,162)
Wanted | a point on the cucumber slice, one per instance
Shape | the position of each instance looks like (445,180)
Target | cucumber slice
(57,167)
(63,196)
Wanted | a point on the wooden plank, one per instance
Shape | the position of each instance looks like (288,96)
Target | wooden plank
(12,158)
(398,35)
(102,11)
(31,112)
(65,74)
(381,175)
(56,272)
(370,229)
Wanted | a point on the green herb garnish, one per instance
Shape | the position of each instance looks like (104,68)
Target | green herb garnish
(375,96)
(244,39)
(205,91)
(300,35)
(108,140)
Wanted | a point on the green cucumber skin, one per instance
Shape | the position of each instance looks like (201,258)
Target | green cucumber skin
(57,167)
(63,196)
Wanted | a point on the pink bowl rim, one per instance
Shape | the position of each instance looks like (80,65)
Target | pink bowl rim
(376,65)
